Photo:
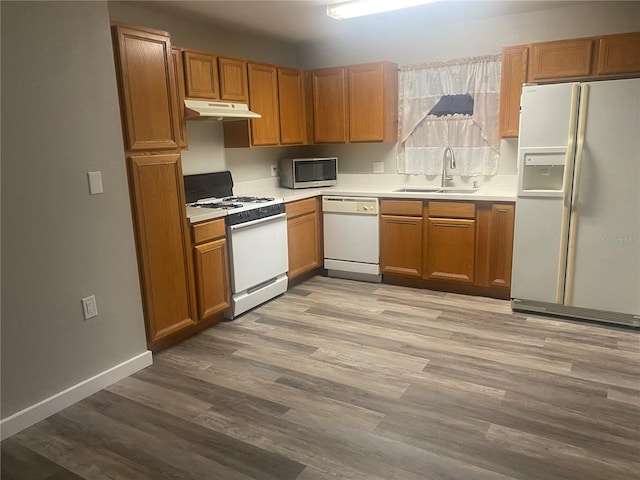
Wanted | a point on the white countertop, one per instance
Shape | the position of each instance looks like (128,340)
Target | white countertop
(500,192)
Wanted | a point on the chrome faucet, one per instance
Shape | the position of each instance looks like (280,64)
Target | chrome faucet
(452,165)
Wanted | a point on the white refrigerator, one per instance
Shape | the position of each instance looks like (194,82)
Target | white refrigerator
(577,227)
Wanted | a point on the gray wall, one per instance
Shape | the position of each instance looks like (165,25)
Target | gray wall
(60,119)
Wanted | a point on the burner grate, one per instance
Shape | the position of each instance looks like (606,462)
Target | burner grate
(250,199)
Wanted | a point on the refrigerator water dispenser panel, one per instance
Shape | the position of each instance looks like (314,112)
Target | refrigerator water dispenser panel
(542,171)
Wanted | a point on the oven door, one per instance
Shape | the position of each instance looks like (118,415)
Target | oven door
(257,252)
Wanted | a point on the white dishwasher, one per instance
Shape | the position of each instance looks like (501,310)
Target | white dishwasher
(351,237)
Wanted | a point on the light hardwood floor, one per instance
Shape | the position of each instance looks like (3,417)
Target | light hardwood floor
(342,379)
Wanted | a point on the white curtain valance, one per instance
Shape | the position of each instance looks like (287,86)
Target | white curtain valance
(424,136)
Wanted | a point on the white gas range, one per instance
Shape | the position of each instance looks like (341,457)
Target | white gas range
(256,236)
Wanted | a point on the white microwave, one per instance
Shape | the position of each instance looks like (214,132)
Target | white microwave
(309,172)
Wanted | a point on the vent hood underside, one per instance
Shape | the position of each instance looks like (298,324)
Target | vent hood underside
(206,110)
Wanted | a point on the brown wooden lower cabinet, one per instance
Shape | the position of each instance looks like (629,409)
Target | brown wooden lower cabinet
(162,242)
(450,241)
(401,237)
(304,233)
(456,246)
(501,244)
(451,246)
(212,278)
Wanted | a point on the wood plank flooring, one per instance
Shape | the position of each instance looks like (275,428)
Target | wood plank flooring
(341,379)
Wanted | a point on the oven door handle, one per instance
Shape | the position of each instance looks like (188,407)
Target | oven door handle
(258,221)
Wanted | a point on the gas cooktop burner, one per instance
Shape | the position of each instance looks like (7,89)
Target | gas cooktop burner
(222,205)
(250,199)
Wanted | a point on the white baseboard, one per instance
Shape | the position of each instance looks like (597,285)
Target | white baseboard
(41,410)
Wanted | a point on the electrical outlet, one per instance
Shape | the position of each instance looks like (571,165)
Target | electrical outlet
(89,307)
(378,167)
(275,171)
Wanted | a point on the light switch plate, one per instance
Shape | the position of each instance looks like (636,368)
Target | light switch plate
(95,182)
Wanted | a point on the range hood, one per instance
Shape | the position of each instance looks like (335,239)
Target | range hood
(207,110)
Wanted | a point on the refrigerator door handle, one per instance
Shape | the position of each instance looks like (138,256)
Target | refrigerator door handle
(566,192)
(573,221)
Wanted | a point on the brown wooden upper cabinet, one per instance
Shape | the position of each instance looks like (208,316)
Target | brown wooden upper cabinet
(201,75)
(514,74)
(291,106)
(329,93)
(618,54)
(148,95)
(178,71)
(358,103)
(233,79)
(263,99)
(560,60)
(582,59)
(373,102)
(210,77)
(278,95)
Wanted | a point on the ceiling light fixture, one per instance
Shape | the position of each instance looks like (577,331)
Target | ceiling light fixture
(359,8)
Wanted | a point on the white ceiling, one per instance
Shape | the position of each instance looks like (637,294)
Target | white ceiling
(301,21)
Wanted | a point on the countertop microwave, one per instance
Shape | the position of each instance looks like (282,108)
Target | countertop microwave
(309,172)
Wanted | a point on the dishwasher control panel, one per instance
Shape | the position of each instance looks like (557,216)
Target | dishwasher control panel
(357,205)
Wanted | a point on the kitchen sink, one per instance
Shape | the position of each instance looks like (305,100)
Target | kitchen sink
(418,189)
(457,190)
(436,190)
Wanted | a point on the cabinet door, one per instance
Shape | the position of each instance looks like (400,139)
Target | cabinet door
(164,255)
(401,245)
(373,102)
(212,278)
(147,89)
(201,75)
(619,54)
(291,106)
(329,91)
(514,75)
(303,244)
(178,69)
(560,60)
(501,245)
(450,249)
(233,79)
(263,99)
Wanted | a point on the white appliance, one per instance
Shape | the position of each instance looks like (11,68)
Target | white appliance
(258,261)
(351,237)
(256,236)
(577,229)
(207,110)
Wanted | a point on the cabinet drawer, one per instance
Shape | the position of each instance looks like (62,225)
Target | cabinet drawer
(301,207)
(201,232)
(412,208)
(452,209)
